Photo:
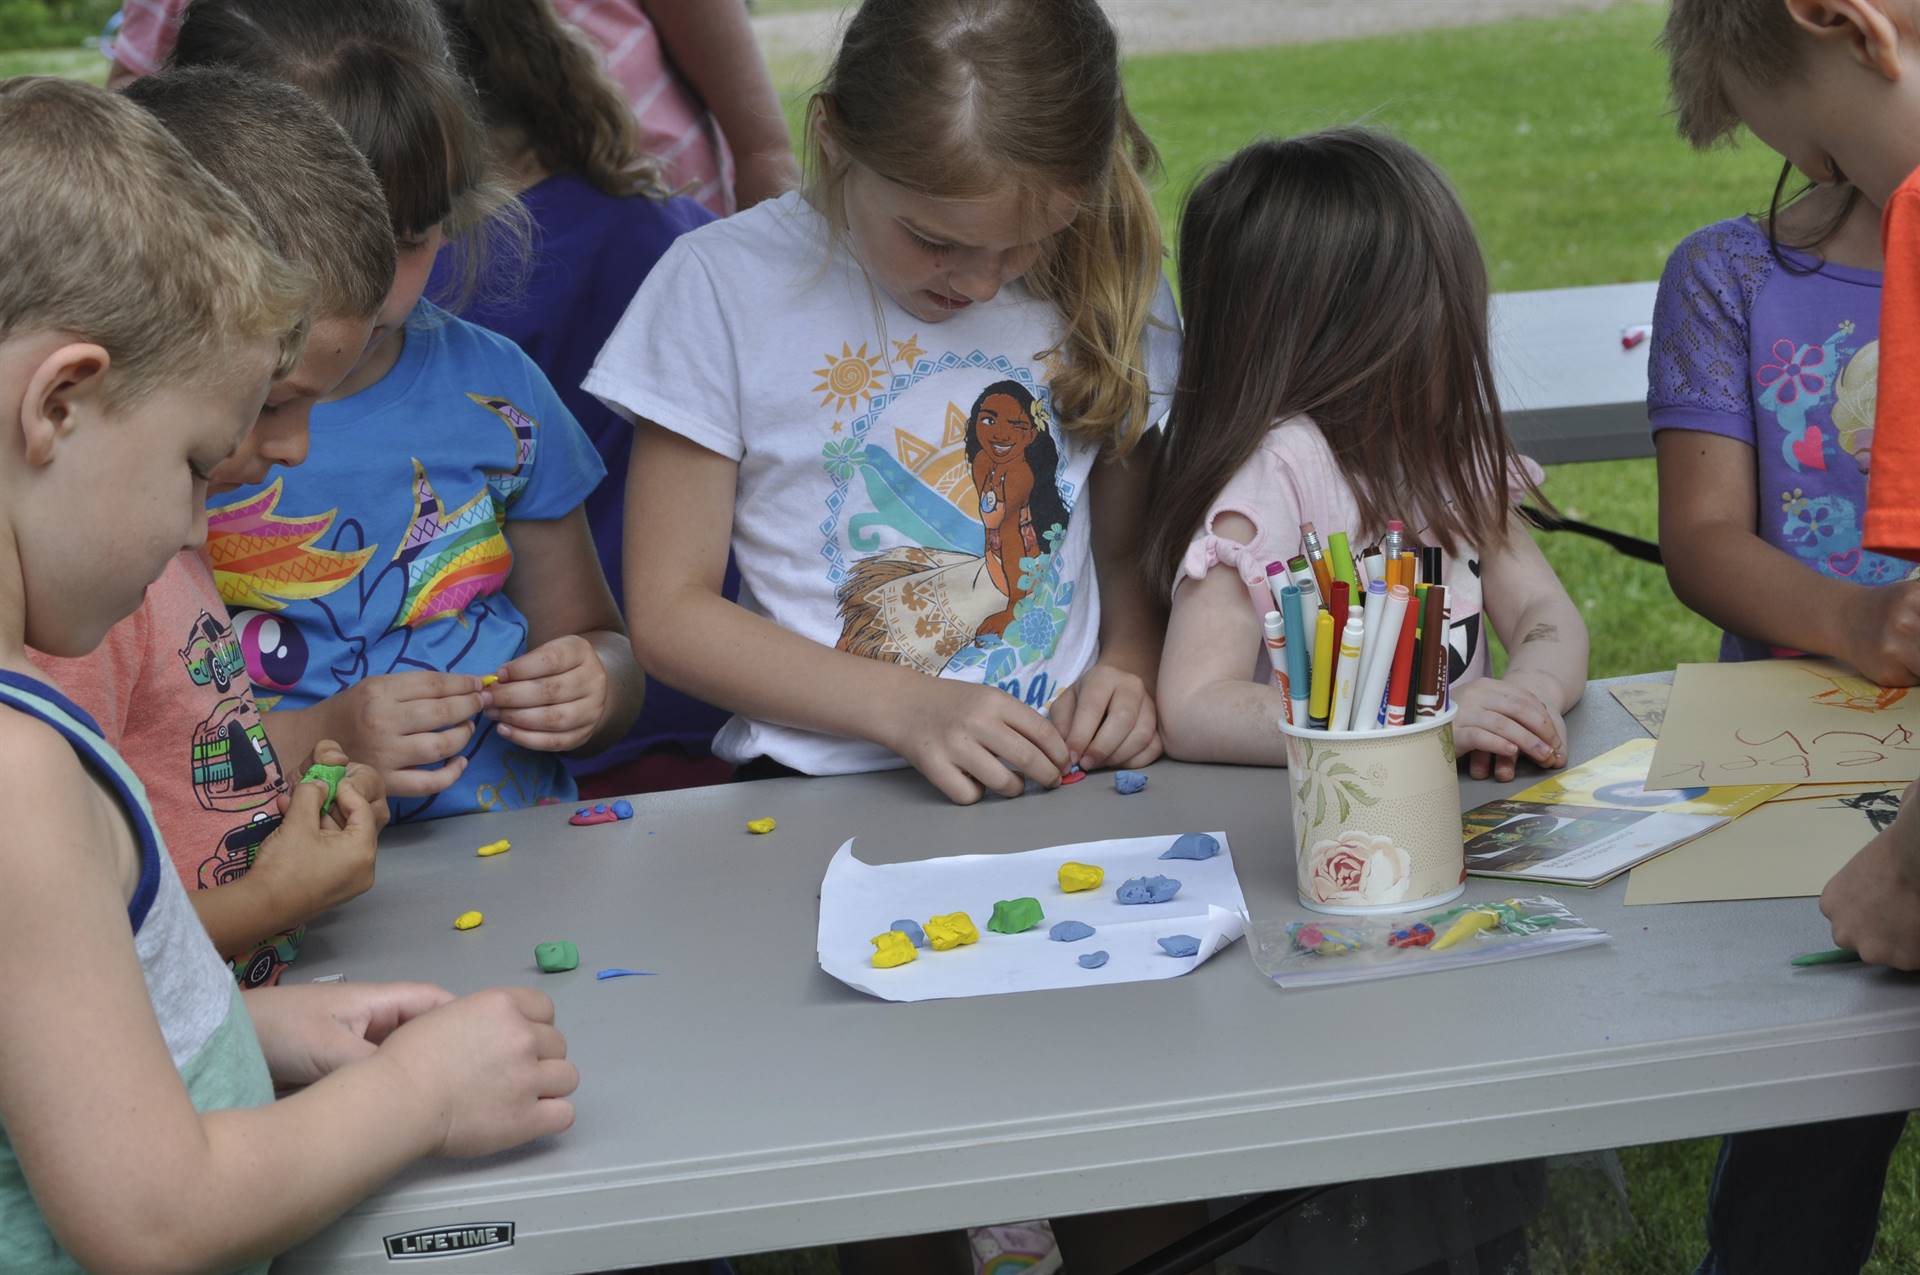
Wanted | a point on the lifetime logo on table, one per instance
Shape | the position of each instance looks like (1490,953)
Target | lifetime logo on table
(449,1241)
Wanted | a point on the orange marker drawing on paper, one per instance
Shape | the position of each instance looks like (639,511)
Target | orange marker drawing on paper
(1851,691)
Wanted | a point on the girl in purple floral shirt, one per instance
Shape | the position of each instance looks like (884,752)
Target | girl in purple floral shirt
(1761,398)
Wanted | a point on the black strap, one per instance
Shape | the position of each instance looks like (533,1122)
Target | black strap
(1631,546)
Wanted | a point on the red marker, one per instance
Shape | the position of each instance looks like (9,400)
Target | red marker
(1339,604)
(1402,678)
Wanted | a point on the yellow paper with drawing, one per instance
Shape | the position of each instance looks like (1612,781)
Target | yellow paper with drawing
(1785,849)
(1784,722)
(1618,778)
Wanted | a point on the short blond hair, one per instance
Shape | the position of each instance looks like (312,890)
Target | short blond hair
(1708,40)
(111,231)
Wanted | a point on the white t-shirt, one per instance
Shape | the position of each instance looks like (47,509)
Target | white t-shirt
(870,515)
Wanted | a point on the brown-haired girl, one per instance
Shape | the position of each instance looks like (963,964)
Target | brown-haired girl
(811,382)
(1335,371)
(445,539)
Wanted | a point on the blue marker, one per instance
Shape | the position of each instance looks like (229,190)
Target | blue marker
(1299,651)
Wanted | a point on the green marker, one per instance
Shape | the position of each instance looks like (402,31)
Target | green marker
(1832,956)
(331,776)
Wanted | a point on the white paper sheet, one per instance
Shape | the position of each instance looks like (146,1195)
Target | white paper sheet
(859,900)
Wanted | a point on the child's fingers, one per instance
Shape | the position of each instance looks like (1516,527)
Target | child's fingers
(546,660)
(328,753)
(1038,729)
(1479,765)
(541,741)
(1477,738)
(425,685)
(423,716)
(554,718)
(1060,712)
(553,1115)
(428,748)
(389,1005)
(1511,734)
(1123,714)
(1021,754)
(537,692)
(534,1006)
(952,782)
(1093,704)
(425,782)
(303,807)
(1142,746)
(987,770)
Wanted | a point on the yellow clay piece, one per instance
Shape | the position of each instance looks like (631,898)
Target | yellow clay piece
(494,847)
(955,929)
(489,680)
(761,827)
(1464,928)
(468,921)
(1075,877)
(891,949)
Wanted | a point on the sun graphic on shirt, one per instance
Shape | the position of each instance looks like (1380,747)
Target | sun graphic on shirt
(846,380)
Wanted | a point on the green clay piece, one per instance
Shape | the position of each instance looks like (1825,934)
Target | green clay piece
(557,957)
(1015,916)
(328,775)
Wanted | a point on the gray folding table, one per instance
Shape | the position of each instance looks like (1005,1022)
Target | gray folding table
(742,1101)
(1571,393)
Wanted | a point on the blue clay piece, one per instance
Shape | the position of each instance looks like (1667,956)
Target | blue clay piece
(1070,932)
(1180,945)
(1093,960)
(1128,782)
(915,935)
(1193,845)
(623,808)
(1148,890)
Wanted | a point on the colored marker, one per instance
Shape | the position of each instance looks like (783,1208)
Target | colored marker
(1276,631)
(1320,701)
(1375,606)
(1373,566)
(1347,673)
(1409,568)
(1832,956)
(1340,605)
(1277,579)
(1402,675)
(1299,662)
(1303,580)
(1430,564)
(1433,652)
(1316,560)
(1382,642)
(1340,558)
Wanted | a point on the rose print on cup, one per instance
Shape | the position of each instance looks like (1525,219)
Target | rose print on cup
(1359,868)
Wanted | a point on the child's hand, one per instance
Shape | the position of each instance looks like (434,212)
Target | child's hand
(492,1068)
(1107,718)
(553,698)
(365,780)
(968,739)
(1883,633)
(311,864)
(1873,902)
(400,722)
(1499,720)
(309,1032)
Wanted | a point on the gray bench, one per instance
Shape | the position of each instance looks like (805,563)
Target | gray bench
(1570,392)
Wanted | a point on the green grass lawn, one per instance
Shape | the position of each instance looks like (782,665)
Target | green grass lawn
(1556,135)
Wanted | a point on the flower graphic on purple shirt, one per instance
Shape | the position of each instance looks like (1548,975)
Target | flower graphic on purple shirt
(1794,370)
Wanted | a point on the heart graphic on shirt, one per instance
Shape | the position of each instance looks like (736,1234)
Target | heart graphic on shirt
(1844,564)
(1807,450)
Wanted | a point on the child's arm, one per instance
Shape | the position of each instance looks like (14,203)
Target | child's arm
(1720,568)
(120,1163)
(311,863)
(1874,902)
(1109,717)
(964,738)
(713,45)
(577,688)
(400,724)
(1210,708)
(1546,641)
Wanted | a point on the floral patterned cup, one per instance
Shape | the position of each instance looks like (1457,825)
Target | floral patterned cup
(1376,817)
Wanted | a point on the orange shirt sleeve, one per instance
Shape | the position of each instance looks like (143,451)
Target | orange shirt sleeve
(1893,484)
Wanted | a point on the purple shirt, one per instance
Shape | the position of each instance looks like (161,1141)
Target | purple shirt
(1785,360)
(592,250)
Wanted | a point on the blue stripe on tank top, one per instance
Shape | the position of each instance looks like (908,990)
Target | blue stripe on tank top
(32,696)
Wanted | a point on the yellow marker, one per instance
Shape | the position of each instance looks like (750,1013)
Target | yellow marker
(955,929)
(494,847)
(489,680)
(1075,877)
(1321,701)
(761,827)
(891,949)
(468,921)
(1466,927)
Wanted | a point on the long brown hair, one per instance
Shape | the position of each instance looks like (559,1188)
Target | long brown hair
(1336,276)
(959,99)
(383,69)
(540,82)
